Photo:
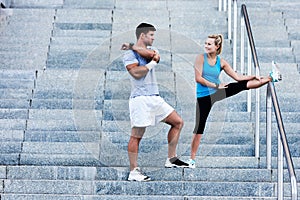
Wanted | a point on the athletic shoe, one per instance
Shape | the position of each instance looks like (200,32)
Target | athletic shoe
(192,163)
(175,162)
(275,73)
(136,175)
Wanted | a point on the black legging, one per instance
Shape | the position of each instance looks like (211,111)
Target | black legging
(204,104)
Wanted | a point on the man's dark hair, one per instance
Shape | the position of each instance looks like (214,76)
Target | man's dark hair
(143,28)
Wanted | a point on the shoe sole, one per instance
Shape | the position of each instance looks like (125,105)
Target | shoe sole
(145,180)
(175,166)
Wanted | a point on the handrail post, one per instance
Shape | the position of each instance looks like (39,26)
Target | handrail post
(229,19)
(268,128)
(225,5)
(249,100)
(242,45)
(257,73)
(243,71)
(257,118)
(234,33)
(279,169)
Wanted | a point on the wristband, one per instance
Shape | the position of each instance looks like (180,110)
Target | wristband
(217,85)
(151,64)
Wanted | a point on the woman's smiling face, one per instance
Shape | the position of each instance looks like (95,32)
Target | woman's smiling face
(210,46)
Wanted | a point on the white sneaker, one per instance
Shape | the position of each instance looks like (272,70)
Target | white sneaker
(192,163)
(175,162)
(136,175)
(275,73)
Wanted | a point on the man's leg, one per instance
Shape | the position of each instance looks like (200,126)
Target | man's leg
(176,123)
(133,145)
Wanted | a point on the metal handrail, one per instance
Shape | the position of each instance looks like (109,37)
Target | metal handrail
(282,134)
(271,96)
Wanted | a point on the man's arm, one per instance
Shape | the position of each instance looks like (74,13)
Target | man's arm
(136,71)
(140,71)
(145,53)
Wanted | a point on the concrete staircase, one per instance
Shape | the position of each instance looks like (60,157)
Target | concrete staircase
(64,122)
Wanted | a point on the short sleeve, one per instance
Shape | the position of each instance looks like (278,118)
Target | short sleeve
(129,58)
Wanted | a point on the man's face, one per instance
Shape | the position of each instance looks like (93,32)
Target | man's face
(148,38)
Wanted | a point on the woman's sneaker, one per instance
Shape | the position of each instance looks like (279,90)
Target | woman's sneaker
(175,162)
(136,175)
(275,73)
(192,163)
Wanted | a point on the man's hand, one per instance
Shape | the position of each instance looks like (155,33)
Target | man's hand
(125,46)
(156,57)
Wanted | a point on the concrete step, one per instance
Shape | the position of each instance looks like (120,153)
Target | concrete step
(17,74)
(16,84)
(31,15)
(10,94)
(13,113)
(10,103)
(88,123)
(65,104)
(12,124)
(16,55)
(14,43)
(285,6)
(291,14)
(154,188)
(58,159)
(82,15)
(124,197)
(72,41)
(91,4)
(11,136)
(121,173)
(81,33)
(14,31)
(62,136)
(40,4)
(23,64)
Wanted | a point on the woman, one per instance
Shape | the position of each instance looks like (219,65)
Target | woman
(208,67)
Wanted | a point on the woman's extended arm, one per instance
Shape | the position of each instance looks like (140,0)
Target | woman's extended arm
(230,72)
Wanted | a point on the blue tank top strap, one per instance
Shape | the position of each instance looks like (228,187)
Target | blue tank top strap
(218,62)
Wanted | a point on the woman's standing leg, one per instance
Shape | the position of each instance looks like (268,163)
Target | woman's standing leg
(203,108)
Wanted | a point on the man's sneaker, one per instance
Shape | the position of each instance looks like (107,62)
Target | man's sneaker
(136,175)
(192,163)
(175,162)
(275,73)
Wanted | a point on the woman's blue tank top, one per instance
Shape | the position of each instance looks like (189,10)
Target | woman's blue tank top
(210,73)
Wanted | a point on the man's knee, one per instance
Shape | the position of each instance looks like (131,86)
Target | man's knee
(179,123)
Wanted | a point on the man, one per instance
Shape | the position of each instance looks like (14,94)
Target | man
(146,107)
